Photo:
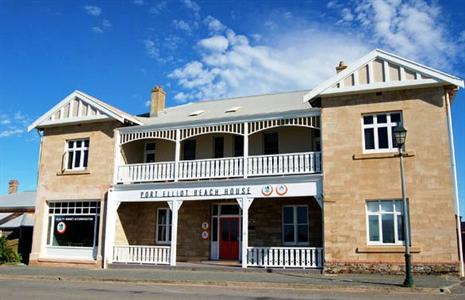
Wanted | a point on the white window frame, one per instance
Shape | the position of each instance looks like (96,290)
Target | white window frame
(295,224)
(167,225)
(150,151)
(379,214)
(389,125)
(75,149)
(53,211)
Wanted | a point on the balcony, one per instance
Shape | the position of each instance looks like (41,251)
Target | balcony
(221,168)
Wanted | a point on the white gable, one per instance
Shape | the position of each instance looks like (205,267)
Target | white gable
(380,70)
(79,107)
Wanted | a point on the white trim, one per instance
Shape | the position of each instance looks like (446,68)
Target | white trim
(389,125)
(295,224)
(91,102)
(379,214)
(377,53)
(167,225)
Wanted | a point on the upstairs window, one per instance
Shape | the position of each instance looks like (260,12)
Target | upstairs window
(270,143)
(77,154)
(218,147)
(149,153)
(378,131)
(189,149)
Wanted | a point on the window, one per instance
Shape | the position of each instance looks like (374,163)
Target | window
(149,153)
(163,226)
(385,222)
(378,131)
(270,143)
(73,224)
(238,145)
(189,149)
(295,225)
(77,154)
(218,147)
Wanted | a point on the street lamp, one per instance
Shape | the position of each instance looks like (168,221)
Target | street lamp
(400,134)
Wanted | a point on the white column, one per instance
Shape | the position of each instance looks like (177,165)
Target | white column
(118,158)
(245,203)
(174,206)
(246,149)
(177,153)
(110,228)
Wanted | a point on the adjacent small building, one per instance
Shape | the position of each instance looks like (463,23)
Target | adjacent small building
(17,218)
(302,179)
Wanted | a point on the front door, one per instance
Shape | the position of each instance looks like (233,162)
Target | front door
(229,238)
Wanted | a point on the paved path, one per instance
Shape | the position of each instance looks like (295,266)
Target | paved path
(56,289)
(228,278)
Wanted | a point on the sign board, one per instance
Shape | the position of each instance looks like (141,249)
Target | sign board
(311,188)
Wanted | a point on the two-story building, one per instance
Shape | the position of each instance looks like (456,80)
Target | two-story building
(305,179)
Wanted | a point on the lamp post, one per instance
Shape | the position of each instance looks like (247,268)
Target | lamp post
(400,134)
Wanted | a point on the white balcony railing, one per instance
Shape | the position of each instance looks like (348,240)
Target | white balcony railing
(211,168)
(285,257)
(230,167)
(159,255)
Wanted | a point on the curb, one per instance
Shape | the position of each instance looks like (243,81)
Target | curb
(238,284)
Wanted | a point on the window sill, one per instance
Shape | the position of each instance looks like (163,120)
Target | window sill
(386,249)
(71,172)
(359,156)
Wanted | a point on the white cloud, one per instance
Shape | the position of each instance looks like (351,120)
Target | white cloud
(150,48)
(139,2)
(411,28)
(182,25)
(229,65)
(93,10)
(11,132)
(157,9)
(214,43)
(214,24)
(191,5)
(103,27)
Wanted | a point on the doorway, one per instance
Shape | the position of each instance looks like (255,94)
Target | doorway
(229,238)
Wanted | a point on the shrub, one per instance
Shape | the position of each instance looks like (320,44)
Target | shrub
(7,255)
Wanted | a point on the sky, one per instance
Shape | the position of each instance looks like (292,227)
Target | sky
(198,50)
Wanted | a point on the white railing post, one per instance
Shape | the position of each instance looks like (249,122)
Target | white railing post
(174,206)
(110,228)
(246,150)
(118,158)
(245,203)
(177,153)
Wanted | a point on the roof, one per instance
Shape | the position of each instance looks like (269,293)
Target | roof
(407,74)
(240,107)
(18,200)
(26,219)
(79,107)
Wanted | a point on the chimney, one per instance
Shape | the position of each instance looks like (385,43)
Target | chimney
(157,101)
(342,66)
(13,186)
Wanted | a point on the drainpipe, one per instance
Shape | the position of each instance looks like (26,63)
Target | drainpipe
(454,181)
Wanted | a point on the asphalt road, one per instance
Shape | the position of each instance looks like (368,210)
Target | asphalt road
(48,289)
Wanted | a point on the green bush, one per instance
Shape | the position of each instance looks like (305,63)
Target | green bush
(7,255)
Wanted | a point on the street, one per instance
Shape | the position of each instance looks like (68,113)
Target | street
(56,289)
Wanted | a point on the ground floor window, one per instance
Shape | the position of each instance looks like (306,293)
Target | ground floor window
(385,222)
(163,226)
(73,224)
(295,225)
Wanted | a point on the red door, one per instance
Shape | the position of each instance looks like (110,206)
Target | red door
(229,238)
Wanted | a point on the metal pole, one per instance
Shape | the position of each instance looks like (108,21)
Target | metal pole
(408,282)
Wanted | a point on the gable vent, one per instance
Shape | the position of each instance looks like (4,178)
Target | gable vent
(196,113)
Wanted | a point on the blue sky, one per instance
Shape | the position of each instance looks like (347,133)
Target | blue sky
(118,50)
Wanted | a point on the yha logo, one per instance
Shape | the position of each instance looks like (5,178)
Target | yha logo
(267,190)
